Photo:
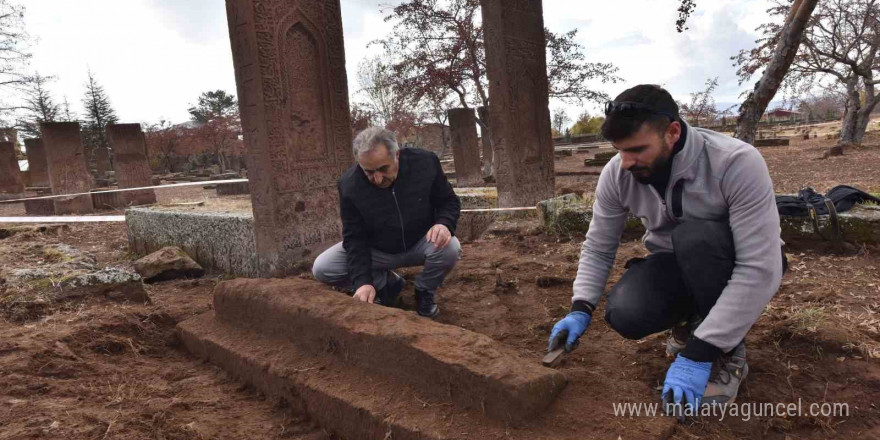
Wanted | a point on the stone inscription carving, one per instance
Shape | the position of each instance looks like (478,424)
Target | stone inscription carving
(290,70)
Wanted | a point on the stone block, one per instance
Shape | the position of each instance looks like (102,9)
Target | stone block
(571,214)
(335,396)
(108,200)
(447,362)
(39,207)
(167,263)
(861,224)
(772,142)
(220,241)
(233,189)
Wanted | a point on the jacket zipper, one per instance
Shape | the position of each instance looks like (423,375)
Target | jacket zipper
(400,216)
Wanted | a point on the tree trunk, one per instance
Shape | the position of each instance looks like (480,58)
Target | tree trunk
(789,43)
(864,115)
(848,125)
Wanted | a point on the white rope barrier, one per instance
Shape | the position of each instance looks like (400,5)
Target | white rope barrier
(171,185)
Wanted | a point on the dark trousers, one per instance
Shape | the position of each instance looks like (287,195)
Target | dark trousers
(666,288)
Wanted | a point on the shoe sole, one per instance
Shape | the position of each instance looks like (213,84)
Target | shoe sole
(436,312)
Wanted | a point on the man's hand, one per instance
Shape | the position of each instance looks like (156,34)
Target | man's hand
(440,236)
(366,293)
(684,385)
(568,330)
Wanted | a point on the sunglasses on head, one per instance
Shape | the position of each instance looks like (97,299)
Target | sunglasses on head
(632,107)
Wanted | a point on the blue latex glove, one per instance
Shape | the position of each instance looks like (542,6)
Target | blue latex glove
(685,384)
(569,329)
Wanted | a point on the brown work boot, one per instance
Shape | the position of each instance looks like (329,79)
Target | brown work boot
(727,374)
(679,334)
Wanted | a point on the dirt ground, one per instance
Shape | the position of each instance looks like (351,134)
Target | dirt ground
(106,370)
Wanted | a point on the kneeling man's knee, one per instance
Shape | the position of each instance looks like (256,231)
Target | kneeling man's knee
(449,255)
(626,317)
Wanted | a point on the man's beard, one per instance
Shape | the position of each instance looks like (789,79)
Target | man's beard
(646,175)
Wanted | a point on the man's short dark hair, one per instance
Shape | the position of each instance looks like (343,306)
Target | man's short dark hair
(642,104)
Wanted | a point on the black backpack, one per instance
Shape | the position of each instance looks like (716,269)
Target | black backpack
(842,198)
(810,203)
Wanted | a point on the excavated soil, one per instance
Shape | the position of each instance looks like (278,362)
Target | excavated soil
(93,369)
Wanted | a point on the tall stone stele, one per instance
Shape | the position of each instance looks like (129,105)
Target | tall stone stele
(465,147)
(11,185)
(36,157)
(289,63)
(518,92)
(130,163)
(68,172)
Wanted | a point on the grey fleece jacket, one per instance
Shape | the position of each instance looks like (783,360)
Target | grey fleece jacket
(722,179)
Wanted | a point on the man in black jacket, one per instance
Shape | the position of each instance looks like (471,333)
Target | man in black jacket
(398,210)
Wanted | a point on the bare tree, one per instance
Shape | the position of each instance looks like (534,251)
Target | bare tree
(438,45)
(776,52)
(38,106)
(163,139)
(842,42)
(560,120)
(14,55)
(825,106)
(701,110)
(389,104)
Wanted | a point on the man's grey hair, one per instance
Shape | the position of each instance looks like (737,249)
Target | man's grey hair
(371,138)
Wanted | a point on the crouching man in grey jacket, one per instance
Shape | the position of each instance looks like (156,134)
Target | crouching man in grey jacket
(715,260)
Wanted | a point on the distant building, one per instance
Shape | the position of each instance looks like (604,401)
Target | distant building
(782,115)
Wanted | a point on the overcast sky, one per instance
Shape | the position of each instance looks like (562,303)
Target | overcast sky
(154,57)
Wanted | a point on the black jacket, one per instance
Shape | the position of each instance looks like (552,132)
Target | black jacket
(394,219)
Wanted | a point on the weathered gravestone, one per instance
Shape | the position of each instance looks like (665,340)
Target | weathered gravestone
(36,157)
(68,173)
(465,147)
(11,185)
(518,89)
(289,63)
(130,163)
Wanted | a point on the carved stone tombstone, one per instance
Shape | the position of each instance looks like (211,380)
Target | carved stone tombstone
(11,185)
(68,173)
(36,157)
(130,163)
(289,63)
(518,90)
(465,147)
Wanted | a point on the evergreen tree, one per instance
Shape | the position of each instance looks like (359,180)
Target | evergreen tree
(66,114)
(98,113)
(214,104)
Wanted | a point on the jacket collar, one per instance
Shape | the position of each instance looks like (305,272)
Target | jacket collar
(683,162)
